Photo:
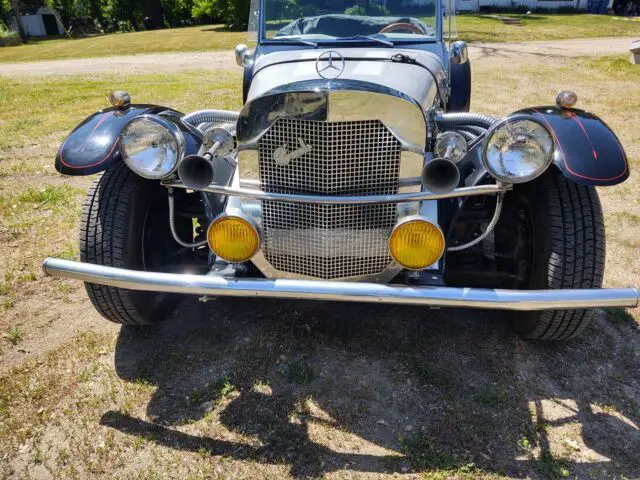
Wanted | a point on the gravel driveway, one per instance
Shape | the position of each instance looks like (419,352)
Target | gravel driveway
(171,62)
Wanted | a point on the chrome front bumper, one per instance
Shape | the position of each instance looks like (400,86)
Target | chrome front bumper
(343,291)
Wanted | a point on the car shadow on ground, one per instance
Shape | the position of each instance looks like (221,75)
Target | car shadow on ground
(322,387)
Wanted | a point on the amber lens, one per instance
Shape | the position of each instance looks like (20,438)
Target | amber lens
(233,239)
(416,244)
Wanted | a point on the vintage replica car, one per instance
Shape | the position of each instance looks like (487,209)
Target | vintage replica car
(374,183)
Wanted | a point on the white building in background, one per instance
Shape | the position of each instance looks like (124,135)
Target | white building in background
(44,22)
(476,5)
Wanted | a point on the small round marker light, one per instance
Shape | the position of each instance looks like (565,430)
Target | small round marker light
(415,243)
(119,99)
(233,238)
(566,99)
(451,145)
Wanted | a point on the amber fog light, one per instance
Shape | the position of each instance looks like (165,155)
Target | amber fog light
(233,238)
(415,243)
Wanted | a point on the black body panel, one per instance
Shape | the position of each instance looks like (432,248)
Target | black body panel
(93,145)
(587,150)
(460,98)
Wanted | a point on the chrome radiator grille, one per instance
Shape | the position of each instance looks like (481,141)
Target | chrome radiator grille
(328,158)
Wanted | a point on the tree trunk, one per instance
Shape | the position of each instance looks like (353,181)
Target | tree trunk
(15,5)
(154,14)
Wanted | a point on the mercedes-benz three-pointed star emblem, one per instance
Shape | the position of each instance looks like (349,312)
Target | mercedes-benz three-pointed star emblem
(330,65)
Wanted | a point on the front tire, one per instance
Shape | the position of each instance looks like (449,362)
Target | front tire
(125,224)
(568,251)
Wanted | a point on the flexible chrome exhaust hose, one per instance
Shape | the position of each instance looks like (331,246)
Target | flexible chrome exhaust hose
(469,125)
(469,137)
(490,227)
(172,225)
(461,119)
(211,117)
(473,129)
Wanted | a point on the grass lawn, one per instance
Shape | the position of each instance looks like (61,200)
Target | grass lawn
(68,100)
(472,28)
(191,39)
(538,26)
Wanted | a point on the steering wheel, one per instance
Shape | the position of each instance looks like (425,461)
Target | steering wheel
(394,27)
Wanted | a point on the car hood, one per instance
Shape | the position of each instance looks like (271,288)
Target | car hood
(369,65)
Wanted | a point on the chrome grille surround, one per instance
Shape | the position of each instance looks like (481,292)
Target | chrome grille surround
(359,157)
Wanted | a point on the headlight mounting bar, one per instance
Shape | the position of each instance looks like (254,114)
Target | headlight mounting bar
(492,189)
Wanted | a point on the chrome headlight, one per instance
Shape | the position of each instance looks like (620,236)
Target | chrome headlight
(517,149)
(151,146)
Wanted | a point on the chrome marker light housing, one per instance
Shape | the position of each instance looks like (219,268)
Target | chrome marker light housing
(517,149)
(152,146)
(451,145)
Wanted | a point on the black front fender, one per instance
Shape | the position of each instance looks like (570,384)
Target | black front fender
(93,145)
(586,149)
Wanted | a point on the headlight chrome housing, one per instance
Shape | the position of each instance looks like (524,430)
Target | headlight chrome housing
(517,149)
(152,146)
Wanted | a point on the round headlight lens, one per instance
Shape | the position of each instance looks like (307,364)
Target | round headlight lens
(518,150)
(151,146)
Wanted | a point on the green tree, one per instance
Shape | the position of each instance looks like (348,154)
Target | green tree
(15,7)
(74,12)
(177,12)
(234,13)
(5,8)
(122,15)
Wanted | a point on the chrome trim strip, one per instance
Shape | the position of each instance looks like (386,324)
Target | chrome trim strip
(340,291)
(249,182)
(404,182)
(362,200)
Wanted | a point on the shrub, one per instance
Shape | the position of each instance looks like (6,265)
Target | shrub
(369,9)
(8,37)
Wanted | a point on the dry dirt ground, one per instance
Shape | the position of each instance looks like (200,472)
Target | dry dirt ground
(171,62)
(265,389)
(526,52)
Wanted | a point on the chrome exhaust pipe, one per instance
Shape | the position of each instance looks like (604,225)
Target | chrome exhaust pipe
(440,175)
(196,172)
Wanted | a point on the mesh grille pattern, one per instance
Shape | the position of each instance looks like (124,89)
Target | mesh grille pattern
(330,158)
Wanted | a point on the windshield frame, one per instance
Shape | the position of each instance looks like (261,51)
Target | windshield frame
(263,40)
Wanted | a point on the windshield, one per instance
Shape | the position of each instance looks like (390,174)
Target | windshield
(337,20)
